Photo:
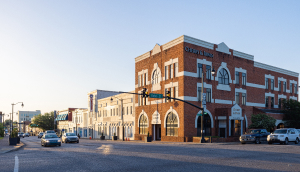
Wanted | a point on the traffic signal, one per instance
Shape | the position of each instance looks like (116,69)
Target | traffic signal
(145,92)
(168,95)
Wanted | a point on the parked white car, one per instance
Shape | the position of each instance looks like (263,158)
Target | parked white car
(284,136)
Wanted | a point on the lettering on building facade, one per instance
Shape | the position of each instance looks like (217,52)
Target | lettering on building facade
(200,52)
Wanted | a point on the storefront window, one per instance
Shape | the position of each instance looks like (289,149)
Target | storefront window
(143,124)
(206,126)
(223,77)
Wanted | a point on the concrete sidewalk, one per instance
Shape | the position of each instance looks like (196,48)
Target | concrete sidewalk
(4,147)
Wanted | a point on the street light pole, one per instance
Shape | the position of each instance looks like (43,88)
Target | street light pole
(202,118)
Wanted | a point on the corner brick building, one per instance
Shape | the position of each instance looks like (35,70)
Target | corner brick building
(239,88)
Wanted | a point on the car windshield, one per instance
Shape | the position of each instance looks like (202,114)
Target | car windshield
(254,131)
(70,134)
(51,136)
(50,132)
(280,131)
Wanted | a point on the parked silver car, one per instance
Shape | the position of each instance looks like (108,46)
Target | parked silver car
(20,134)
(284,136)
(26,134)
(69,137)
(40,135)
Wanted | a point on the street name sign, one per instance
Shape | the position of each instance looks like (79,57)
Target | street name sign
(153,95)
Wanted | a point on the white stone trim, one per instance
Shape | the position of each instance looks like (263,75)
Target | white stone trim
(173,43)
(156,49)
(275,69)
(223,87)
(222,47)
(174,112)
(143,112)
(278,121)
(281,79)
(188,98)
(171,84)
(154,102)
(293,97)
(240,90)
(191,74)
(293,82)
(281,96)
(222,117)
(229,102)
(255,85)
(171,61)
(269,94)
(198,42)
(255,104)
(142,57)
(211,118)
(242,55)
(275,106)
(269,76)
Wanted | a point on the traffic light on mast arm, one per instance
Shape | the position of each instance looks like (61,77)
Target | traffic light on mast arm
(145,92)
(168,95)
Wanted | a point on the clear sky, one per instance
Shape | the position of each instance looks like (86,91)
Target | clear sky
(52,53)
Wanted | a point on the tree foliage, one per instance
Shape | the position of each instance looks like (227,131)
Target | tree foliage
(44,122)
(262,121)
(291,110)
(1,130)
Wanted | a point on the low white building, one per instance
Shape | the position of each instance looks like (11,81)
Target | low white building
(79,119)
(116,116)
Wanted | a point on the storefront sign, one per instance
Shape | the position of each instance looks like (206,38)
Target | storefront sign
(203,53)
(236,111)
(91,102)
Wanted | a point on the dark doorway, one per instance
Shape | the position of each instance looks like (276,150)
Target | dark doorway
(222,132)
(206,127)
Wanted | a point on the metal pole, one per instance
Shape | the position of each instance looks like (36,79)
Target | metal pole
(12,118)
(202,134)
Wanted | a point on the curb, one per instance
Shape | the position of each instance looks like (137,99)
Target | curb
(14,149)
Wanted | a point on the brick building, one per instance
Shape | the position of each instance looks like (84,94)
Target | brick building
(239,88)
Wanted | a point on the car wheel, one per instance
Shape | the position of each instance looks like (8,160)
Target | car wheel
(297,141)
(286,141)
(41,144)
(269,143)
(77,141)
(257,141)
(59,145)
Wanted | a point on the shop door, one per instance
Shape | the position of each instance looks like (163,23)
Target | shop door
(222,132)
(158,132)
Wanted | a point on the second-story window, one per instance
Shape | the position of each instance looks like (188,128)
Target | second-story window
(272,84)
(244,99)
(267,101)
(279,103)
(279,85)
(208,72)
(166,72)
(291,88)
(272,102)
(237,77)
(243,78)
(200,69)
(171,71)
(208,95)
(284,86)
(267,83)
(176,70)
(237,98)
(223,77)
(296,89)
(199,94)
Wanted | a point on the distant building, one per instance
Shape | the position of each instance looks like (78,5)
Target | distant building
(26,116)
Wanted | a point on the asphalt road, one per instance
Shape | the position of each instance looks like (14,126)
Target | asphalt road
(96,155)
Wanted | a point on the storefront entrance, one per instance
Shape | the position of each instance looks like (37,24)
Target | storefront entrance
(156,131)
(206,126)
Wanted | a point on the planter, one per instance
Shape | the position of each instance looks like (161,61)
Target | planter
(102,137)
(114,138)
(13,141)
(148,139)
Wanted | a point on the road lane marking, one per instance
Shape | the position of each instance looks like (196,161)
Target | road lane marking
(16,169)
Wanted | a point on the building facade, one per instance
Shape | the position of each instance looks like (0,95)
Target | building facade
(63,118)
(26,117)
(239,88)
(116,116)
(79,119)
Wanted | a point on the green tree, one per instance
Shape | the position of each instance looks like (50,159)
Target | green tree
(44,122)
(262,121)
(291,110)
(1,130)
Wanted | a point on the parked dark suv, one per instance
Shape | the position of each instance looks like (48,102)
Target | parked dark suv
(255,135)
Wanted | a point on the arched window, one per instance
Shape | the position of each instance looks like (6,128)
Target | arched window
(172,125)
(223,77)
(143,124)
(155,77)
